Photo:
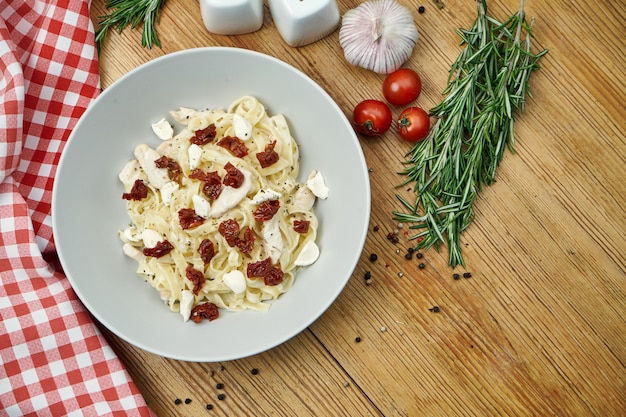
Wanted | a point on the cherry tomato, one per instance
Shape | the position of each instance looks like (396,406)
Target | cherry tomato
(402,86)
(371,117)
(413,124)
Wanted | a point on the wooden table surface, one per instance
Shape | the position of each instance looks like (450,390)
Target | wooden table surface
(540,327)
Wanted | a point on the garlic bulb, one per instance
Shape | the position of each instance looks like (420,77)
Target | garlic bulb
(378,35)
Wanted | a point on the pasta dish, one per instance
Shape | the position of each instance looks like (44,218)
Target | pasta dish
(218,218)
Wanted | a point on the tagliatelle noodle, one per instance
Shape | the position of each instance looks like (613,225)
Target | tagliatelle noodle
(156,214)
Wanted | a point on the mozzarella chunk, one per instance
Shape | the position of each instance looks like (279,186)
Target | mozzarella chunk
(195,154)
(130,172)
(235,280)
(265,194)
(272,238)
(231,197)
(167,190)
(317,186)
(308,255)
(150,238)
(132,252)
(186,304)
(242,127)
(201,205)
(130,234)
(163,129)
(303,199)
(182,115)
(146,156)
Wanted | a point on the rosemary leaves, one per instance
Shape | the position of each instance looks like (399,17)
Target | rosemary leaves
(486,84)
(131,13)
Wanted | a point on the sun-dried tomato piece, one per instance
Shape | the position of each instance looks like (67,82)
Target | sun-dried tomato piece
(269,156)
(234,145)
(139,191)
(231,231)
(212,182)
(162,248)
(301,226)
(271,274)
(206,250)
(229,228)
(204,136)
(258,269)
(274,276)
(246,244)
(189,219)
(173,168)
(203,311)
(266,210)
(198,174)
(196,277)
(233,178)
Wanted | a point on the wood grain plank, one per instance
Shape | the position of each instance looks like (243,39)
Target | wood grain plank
(296,378)
(538,329)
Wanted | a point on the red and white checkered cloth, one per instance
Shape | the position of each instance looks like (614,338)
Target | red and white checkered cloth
(54,361)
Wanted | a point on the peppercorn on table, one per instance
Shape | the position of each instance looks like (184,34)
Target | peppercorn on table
(533,324)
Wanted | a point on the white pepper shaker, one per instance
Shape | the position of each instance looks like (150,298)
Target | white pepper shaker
(232,17)
(301,22)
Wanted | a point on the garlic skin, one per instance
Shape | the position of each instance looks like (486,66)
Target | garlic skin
(378,35)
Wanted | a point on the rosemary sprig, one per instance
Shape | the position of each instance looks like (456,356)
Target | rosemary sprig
(131,13)
(475,120)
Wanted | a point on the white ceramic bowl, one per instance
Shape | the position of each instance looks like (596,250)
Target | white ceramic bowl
(88,211)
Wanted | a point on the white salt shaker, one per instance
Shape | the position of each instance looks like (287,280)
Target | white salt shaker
(301,22)
(232,17)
